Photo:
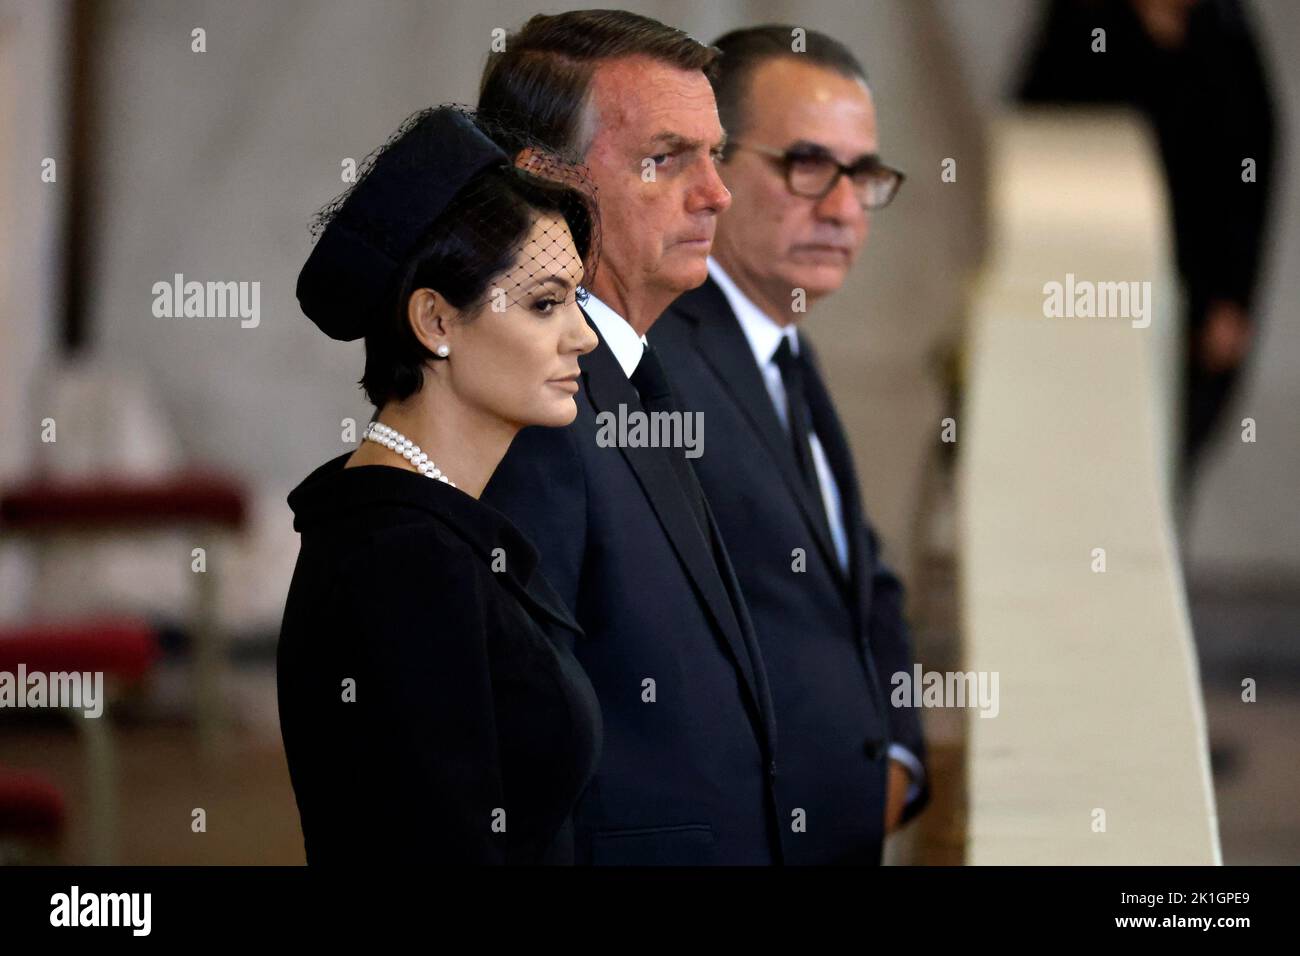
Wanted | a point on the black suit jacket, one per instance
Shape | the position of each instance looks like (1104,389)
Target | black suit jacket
(686,775)
(831,641)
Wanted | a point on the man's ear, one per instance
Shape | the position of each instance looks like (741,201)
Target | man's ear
(431,317)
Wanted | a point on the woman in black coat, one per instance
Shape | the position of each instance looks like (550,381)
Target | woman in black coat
(430,706)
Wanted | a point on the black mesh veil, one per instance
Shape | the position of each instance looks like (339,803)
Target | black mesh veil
(484,210)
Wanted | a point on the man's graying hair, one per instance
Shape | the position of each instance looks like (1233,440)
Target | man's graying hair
(543,77)
(744,51)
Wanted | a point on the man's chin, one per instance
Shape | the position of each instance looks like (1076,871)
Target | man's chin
(821,279)
(687,274)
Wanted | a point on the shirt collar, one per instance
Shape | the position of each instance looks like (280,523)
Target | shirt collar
(763,334)
(627,346)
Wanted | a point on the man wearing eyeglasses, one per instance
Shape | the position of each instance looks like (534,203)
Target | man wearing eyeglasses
(802,166)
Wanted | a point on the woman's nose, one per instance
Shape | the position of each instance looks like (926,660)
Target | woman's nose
(583,335)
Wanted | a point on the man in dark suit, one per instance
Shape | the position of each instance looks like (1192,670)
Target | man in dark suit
(803,170)
(689,764)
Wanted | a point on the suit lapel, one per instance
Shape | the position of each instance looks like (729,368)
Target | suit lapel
(722,342)
(607,387)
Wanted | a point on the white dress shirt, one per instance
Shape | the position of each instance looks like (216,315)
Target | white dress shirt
(627,346)
(764,336)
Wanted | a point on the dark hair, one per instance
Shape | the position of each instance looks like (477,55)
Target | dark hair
(544,74)
(744,51)
(476,238)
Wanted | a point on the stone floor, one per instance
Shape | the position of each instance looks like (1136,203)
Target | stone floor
(1246,631)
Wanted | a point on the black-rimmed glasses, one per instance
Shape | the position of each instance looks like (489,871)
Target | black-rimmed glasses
(813,173)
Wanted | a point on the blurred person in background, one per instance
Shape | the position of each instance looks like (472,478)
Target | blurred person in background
(430,707)
(1193,68)
(803,166)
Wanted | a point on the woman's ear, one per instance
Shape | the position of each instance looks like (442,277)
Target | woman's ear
(431,318)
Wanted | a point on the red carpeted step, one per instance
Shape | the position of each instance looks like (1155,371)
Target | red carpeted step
(49,505)
(30,805)
(124,647)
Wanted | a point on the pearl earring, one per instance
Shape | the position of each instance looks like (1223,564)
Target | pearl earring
(443,351)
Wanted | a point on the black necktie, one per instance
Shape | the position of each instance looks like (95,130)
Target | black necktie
(799,418)
(652,385)
(651,382)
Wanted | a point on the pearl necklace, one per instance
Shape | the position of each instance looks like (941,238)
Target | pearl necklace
(394,440)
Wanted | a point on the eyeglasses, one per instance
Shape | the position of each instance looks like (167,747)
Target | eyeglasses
(812,173)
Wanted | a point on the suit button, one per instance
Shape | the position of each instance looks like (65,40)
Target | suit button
(771,769)
(875,749)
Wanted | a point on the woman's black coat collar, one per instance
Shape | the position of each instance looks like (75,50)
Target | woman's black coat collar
(332,492)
